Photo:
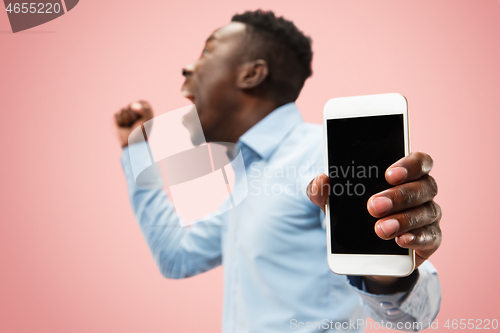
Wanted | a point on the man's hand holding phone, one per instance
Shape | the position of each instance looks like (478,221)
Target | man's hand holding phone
(407,212)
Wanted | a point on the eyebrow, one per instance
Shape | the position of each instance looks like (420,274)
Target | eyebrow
(211,38)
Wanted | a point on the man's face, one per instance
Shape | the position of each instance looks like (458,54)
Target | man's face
(211,82)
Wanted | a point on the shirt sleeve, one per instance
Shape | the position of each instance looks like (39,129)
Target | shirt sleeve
(411,311)
(178,251)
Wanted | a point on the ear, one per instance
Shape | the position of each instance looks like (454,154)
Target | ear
(252,73)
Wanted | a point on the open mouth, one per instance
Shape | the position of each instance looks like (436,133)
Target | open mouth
(188,95)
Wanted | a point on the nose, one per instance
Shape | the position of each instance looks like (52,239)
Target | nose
(187,71)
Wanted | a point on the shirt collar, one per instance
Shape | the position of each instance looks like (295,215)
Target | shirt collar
(265,136)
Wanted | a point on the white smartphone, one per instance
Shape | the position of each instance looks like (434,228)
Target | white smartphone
(363,136)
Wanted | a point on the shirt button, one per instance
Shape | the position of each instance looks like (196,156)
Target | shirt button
(393,312)
(386,305)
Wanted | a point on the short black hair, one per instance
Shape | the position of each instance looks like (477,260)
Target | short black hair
(285,48)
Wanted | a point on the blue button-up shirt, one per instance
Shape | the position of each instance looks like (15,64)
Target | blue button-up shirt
(273,244)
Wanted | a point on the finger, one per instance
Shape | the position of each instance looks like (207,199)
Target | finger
(130,116)
(136,107)
(409,168)
(118,118)
(318,190)
(408,220)
(147,111)
(402,197)
(122,118)
(142,110)
(425,241)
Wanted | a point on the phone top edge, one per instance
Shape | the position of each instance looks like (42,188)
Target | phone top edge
(367,105)
(384,95)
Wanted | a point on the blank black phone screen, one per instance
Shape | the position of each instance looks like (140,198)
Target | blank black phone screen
(359,152)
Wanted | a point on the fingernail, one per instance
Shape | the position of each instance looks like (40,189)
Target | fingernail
(381,205)
(397,174)
(389,227)
(407,238)
(136,106)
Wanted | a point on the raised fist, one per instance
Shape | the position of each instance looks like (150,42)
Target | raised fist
(130,117)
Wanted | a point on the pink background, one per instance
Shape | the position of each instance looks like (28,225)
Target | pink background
(71,254)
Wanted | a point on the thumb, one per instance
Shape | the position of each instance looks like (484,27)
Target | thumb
(318,190)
